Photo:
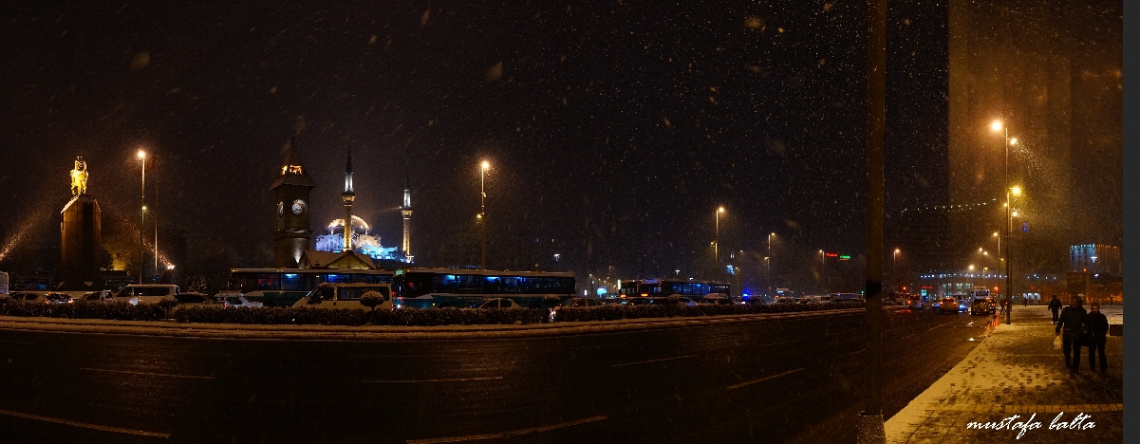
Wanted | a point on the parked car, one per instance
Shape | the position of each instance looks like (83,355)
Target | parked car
(41,297)
(715,299)
(238,300)
(581,302)
(496,303)
(948,305)
(839,297)
(192,299)
(914,302)
(983,306)
(97,296)
(26,296)
(346,296)
(146,294)
(58,298)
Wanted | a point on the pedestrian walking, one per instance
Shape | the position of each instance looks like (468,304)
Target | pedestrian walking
(1055,306)
(1070,326)
(1096,325)
(1025,301)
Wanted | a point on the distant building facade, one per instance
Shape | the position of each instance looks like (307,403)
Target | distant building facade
(1096,259)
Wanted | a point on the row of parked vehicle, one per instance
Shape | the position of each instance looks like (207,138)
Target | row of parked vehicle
(135,294)
(40,297)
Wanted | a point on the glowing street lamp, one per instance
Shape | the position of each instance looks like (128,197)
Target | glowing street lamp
(997,125)
(823,261)
(716,242)
(483,212)
(770,255)
(142,212)
(894,266)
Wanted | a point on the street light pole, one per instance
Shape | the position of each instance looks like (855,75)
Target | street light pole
(998,125)
(768,271)
(154,211)
(823,262)
(483,213)
(142,214)
(716,244)
(1008,222)
(769,265)
(894,268)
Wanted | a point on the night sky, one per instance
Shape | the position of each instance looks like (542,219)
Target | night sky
(614,130)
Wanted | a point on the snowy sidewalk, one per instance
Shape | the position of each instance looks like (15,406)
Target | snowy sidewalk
(1014,387)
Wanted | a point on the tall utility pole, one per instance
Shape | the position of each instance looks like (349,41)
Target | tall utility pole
(769,261)
(823,263)
(998,125)
(142,216)
(154,211)
(716,244)
(483,213)
(1008,229)
(871,425)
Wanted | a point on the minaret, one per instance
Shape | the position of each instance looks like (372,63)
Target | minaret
(291,237)
(348,196)
(406,211)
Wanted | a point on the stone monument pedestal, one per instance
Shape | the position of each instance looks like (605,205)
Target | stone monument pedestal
(80,248)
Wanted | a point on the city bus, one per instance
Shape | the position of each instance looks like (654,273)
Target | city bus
(445,287)
(283,287)
(626,288)
(695,290)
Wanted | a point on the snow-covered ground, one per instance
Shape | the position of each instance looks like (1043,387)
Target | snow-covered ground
(1114,313)
(1015,370)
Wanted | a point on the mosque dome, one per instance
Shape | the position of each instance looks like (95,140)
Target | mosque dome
(358,225)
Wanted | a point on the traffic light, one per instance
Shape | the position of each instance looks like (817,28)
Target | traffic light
(1025,227)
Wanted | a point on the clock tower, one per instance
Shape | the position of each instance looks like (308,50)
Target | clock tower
(291,192)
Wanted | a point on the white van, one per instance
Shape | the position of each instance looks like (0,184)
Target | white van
(146,294)
(346,296)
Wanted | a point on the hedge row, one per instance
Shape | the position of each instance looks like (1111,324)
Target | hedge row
(614,312)
(407,316)
(82,310)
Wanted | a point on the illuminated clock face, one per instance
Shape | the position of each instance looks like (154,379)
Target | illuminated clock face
(298,207)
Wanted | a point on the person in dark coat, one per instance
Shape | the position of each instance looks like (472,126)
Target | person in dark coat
(1096,324)
(1055,306)
(1072,324)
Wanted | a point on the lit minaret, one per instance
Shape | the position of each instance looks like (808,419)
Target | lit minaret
(348,196)
(406,211)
